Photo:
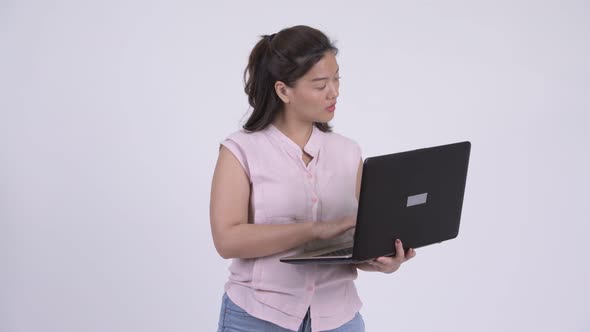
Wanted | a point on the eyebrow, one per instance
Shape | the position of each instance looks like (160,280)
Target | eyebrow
(323,78)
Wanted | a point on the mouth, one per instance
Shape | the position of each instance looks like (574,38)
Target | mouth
(331,108)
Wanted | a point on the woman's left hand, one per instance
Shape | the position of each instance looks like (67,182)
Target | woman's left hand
(388,264)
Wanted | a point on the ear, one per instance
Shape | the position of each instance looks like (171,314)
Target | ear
(283,91)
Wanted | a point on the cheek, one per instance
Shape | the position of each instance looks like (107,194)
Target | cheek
(314,100)
(311,105)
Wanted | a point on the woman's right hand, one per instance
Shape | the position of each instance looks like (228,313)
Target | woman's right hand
(324,230)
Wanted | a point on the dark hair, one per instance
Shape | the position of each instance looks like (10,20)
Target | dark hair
(284,56)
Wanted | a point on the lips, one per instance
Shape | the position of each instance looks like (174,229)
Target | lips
(331,106)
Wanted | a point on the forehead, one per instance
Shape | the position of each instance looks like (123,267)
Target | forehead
(324,68)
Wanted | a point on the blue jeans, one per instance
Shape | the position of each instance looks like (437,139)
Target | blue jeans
(232,318)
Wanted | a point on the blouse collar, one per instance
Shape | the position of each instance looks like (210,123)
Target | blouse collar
(312,146)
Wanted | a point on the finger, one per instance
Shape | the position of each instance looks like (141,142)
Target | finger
(350,224)
(366,266)
(411,254)
(379,266)
(387,264)
(399,250)
(376,265)
(384,260)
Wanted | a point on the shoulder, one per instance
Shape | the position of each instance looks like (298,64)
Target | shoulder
(243,135)
(246,140)
(247,144)
(337,140)
(243,145)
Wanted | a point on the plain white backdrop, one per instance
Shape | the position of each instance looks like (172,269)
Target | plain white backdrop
(111,118)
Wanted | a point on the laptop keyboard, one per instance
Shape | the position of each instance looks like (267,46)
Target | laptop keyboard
(339,252)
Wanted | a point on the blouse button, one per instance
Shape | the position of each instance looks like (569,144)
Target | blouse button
(309,176)
(314,199)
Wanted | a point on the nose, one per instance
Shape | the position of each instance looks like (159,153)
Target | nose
(333,91)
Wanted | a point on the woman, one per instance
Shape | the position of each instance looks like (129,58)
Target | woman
(281,185)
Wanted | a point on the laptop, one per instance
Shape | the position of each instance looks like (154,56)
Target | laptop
(416,196)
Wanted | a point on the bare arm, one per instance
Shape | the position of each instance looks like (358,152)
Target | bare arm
(234,237)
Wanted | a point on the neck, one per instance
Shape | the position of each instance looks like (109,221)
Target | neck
(298,131)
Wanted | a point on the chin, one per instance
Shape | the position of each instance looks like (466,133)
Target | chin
(324,118)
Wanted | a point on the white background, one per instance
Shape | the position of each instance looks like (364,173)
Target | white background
(112,111)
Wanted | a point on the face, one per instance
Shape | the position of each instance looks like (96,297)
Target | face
(313,93)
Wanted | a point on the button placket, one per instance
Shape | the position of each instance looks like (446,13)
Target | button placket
(314,206)
(311,194)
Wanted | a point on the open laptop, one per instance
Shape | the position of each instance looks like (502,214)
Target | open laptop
(416,196)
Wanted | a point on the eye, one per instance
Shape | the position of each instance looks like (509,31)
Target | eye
(337,79)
